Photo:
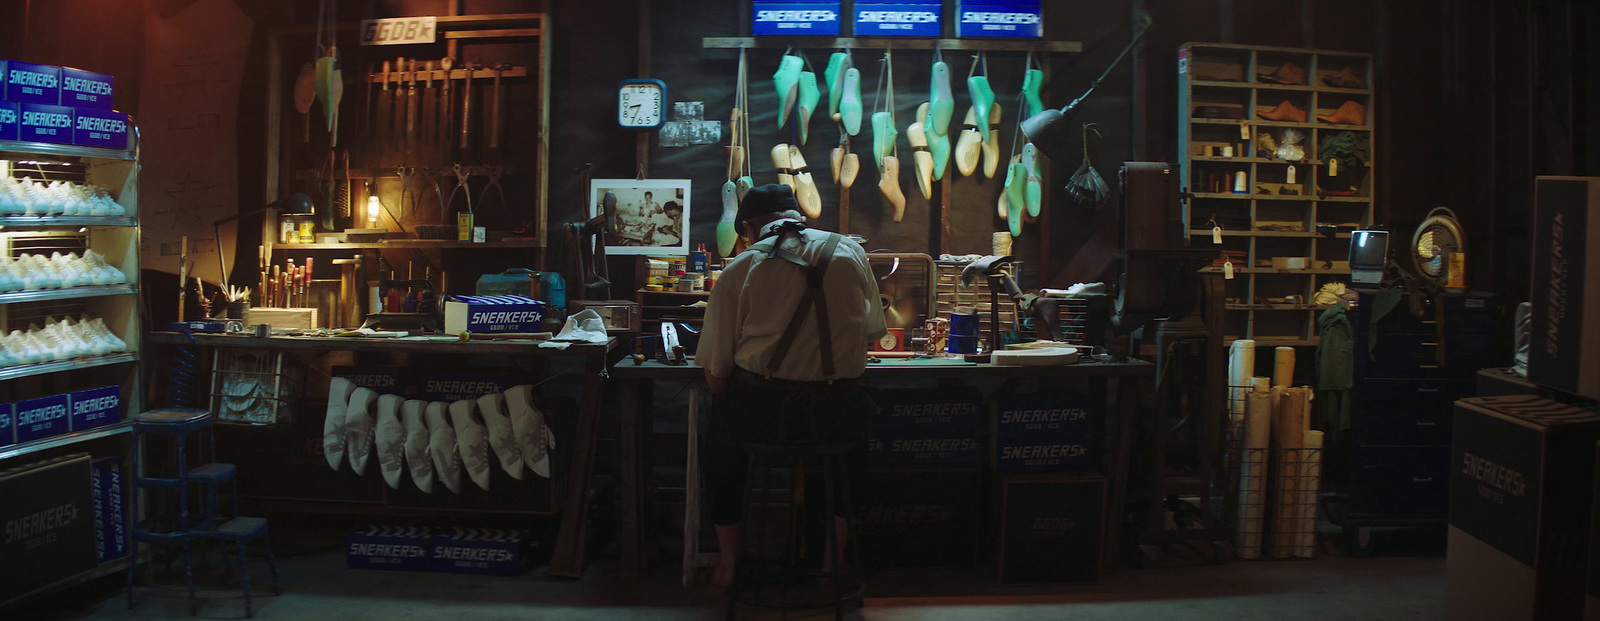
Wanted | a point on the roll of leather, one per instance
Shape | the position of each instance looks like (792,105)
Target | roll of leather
(1253,473)
(1261,384)
(1241,367)
(1283,366)
(1311,467)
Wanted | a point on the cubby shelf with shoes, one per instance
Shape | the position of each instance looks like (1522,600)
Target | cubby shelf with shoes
(1275,143)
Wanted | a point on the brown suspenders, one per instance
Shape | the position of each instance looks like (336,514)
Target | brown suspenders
(814,301)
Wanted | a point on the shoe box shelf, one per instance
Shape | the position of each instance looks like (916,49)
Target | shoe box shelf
(114,237)
(1224,91)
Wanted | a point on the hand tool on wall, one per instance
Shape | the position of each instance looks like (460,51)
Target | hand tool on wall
(448,121)
(411,109)
(262,291)
(396,141)
(330,75)
(366,104)
(429,106)
(305,92)
(466,110)
(305,284)
(385,104)
(183,273)
(494,113)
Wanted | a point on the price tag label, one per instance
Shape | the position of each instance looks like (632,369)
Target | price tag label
(1244,130)
(1333,167)
(1227,270)
(1289,175)
(1216,234)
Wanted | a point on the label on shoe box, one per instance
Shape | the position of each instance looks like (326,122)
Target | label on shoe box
(1021,456)
(110,512)
(488,314)
(794,18)
(96,407)
(954,412)
(30,83)
(8,426)
(42,123)
(485,551)
(396,548)
(86,89)
(1030,421)
(904,19)
(105,129)
(912,449)
(995,19)
(41,418)
(10,120)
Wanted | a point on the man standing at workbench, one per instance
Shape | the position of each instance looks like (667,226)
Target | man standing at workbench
(785,337)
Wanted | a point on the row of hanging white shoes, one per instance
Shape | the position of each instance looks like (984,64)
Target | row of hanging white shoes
(33,272)
(59,198)
(60,340)
(435,440)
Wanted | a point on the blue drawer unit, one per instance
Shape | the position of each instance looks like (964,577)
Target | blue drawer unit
(1402,402)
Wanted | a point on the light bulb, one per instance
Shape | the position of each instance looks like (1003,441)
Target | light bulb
(372,209)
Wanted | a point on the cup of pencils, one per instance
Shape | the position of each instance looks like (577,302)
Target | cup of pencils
(238,299)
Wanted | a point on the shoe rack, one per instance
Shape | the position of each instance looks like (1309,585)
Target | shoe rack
(1286,236)
(80,289)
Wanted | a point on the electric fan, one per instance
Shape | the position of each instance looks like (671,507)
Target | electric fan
(1436,239)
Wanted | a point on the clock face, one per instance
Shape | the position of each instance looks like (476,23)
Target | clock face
(641,104)
(891,340)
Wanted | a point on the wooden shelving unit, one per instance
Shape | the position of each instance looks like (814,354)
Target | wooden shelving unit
(1221,96)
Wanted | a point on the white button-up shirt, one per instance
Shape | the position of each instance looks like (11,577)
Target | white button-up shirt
(754,299)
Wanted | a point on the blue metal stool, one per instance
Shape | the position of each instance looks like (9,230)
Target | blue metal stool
(179,423)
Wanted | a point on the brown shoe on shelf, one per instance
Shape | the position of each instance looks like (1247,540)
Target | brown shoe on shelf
(1349,113)
(1346,79)
(1284,112)
(1288,73)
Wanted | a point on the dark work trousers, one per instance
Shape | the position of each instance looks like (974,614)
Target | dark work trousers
(753,410)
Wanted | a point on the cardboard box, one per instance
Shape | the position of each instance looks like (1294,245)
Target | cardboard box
(106,129)
(48,515)
(384,380)
(95,407)
(8,425)
(1565,347)
(110,510)
(794,18)
(46,123)
(921,517)
(483,551)
(86,90)
(1521,491)
(10,121)
(899,19)
(28,83)
(999,18)
(1051,528)
(1042,436)
(490,314)
(916,450)
(41,418)
(395,548)
(955,412)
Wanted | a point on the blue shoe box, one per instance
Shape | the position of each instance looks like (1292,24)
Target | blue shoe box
(921,450)
(384,380)
(956,411)
(794,18)
(1000,18)
(110,509)
(1042,436)
(86,90)
(395,548)
(899,19)
(482,551)
(46,123)
(8,426)
(96,407)
(10,121)
(106,129)
(41,418)
(29,83)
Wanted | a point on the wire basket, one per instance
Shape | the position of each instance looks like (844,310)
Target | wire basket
(1292,510)
(256,387)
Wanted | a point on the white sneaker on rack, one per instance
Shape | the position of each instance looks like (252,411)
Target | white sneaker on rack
(339,390)
(390,436)
(472,442)
(358,426)
(416,446)
(528,425)
(442,446)
(493,409)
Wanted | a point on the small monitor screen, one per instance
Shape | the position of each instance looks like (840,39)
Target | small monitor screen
(1368,249)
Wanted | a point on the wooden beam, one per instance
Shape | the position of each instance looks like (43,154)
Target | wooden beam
(541,198)
(494,34)
(1044,47)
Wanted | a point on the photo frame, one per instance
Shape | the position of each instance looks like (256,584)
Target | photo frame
(652,216)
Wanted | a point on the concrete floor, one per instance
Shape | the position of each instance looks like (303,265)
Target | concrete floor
(318,586)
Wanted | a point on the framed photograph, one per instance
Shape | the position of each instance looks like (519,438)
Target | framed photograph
(652,215)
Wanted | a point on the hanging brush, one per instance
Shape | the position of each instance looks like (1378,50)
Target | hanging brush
(1086,187)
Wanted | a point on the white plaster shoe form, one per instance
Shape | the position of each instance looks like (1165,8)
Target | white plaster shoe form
(416,446)
(472,442)
(390,437)
(493,409)
(442,446)
(358,426)
(532,431)
(339,390)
